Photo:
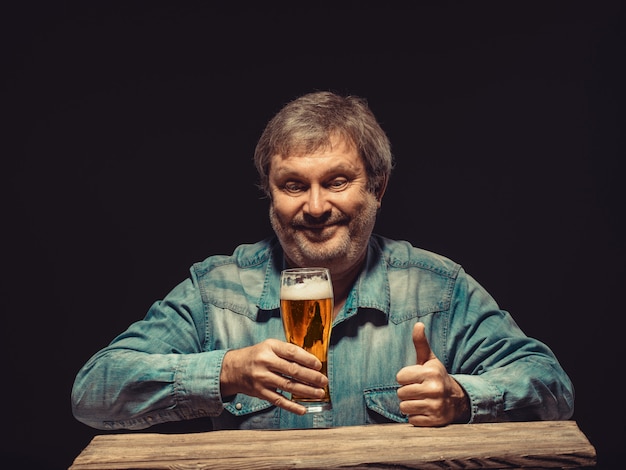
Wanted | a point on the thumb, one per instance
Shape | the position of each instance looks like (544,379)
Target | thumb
(422,348)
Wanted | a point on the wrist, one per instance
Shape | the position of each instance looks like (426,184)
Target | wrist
(227,385)
(462,406)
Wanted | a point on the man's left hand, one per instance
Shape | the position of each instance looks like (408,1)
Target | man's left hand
(428,394)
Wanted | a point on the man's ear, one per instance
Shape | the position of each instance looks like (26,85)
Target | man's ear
(381,191)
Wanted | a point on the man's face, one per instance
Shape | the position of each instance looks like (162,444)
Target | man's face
(320,208)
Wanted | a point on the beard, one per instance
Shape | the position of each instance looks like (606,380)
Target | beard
(335,240)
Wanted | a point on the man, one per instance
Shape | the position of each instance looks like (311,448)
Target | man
(414,337)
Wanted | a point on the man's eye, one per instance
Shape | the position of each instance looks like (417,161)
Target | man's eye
(338,183)
(293,187)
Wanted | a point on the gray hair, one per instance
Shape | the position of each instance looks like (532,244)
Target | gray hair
(308,123)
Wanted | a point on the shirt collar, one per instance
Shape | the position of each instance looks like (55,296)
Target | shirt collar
(270,296)
(372,286)
(371,289)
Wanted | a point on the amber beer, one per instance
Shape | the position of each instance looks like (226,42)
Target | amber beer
(306,303)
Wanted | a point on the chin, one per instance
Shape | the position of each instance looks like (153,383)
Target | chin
(321,254)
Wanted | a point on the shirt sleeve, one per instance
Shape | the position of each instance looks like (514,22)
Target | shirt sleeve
(507,375)
(156,371)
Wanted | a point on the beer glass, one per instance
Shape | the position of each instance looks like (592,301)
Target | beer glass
(306,305)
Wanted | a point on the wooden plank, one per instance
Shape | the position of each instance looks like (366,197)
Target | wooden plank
(541,444)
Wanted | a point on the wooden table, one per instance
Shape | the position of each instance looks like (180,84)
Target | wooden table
(547,444)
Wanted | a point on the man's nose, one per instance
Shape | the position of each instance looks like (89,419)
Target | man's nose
(317,203)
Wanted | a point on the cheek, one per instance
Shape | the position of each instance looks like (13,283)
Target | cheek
(284,207)
(361,205)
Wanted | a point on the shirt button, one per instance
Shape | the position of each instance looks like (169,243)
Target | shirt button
(239,406)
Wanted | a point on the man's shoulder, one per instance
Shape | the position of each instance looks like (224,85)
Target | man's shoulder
(402,254)
(244,256)
(234,282)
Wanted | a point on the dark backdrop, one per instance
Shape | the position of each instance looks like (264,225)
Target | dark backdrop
(130,128)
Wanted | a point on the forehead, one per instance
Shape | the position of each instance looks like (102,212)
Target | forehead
(302,142)
(336,152)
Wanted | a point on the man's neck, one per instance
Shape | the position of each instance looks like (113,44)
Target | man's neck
(342,285)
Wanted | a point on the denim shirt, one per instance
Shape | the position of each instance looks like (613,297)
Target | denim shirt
(167,366)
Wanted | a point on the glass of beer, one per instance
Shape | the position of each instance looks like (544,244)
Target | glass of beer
(306,305)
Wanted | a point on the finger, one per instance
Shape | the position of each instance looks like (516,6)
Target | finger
(422,348)
(295,371)
(283,402)
(426,421)
(410,391)
(301,389)
(423,413)
(294,362)
(410,375)
(293,353)
(266,386)
(415,407)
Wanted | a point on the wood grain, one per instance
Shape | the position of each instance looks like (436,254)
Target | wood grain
(542,444)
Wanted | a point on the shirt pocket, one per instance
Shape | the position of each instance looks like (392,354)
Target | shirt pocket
(245,412)
(383,405)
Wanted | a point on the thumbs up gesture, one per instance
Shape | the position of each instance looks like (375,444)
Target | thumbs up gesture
(428,394)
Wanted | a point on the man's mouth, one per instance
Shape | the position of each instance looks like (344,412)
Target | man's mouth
(315,227)
(319,232)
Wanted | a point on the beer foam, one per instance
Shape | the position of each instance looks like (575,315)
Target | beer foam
(309,290)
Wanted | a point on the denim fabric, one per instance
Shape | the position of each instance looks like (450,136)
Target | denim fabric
(166,367)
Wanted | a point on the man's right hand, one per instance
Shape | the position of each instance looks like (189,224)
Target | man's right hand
(260,370)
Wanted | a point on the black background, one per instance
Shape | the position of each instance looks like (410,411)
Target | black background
(127,156)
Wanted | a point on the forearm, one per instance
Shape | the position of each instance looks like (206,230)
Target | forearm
(530,389)
(507,375)
(123,389)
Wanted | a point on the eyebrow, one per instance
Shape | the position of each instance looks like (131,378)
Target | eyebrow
(340,167)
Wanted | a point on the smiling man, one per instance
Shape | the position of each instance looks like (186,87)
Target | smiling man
(322,211)
(414,339)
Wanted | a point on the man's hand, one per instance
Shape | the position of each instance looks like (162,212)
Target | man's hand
(260,370)
(428,395)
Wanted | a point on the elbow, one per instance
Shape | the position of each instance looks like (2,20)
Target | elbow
(565,399)
(566,404)
(84,411)
(559,405)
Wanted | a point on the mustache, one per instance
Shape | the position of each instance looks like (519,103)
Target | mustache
(306,220)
